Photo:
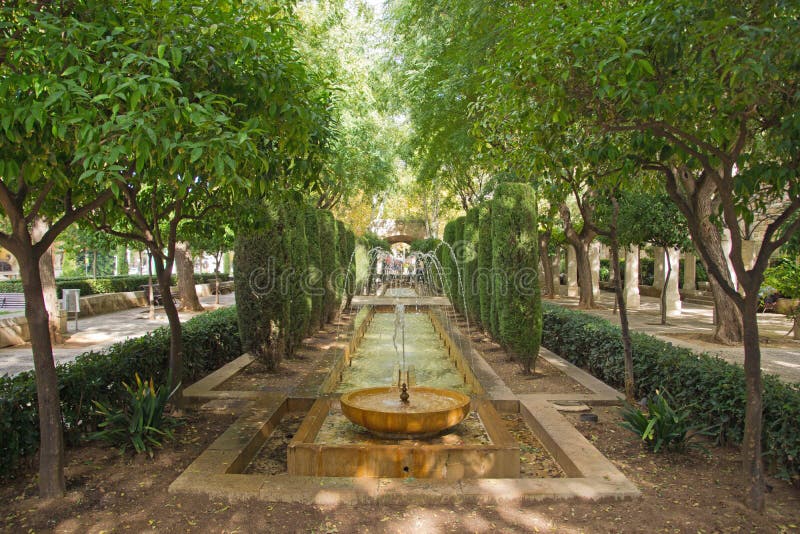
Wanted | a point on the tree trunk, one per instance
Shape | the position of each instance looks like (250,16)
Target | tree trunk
(48,278)
(584,276)
(667,276)
(698,203)
(752,461)
(164,275)
(630,384)
(185,266)
(51,447)
(547,264)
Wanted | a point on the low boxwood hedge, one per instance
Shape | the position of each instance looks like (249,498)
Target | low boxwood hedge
(111,284)
(209,341)
(713,389)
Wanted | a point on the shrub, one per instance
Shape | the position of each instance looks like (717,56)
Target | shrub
(329,263)
(260,261)
(96,286)
(515,263)
(210,340)
(646,271)
(315,279)
(662,427)
(424,245)
(714,388)
(453,231)
(140,422)
(298,306)
(485,279)
(470,264)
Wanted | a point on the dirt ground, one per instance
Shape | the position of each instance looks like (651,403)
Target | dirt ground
(109,492)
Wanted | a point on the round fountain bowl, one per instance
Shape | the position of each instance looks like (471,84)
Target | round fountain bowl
(429,411)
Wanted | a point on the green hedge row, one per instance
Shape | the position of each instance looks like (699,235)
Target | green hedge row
(292,266)
(495,250)
(111,284)
(712,388)
(209,341)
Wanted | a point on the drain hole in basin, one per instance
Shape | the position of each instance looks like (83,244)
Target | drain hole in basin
(405,468)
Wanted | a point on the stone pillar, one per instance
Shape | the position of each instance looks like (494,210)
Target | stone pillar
(556,268)
(659,272)
(632,299)
(594,262)
(689,271)
(673,295)
(726,249)
(572,272)
(750,249)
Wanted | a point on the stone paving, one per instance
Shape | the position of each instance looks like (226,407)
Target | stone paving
(780,354)
(98,332)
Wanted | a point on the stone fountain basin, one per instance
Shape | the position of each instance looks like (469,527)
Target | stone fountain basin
(428,412)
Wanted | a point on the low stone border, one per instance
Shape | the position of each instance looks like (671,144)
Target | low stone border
(592,477)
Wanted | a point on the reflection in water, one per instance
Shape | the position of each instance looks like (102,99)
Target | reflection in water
(375,361)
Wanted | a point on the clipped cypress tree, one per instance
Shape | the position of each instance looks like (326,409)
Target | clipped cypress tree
(484,274)
(515,259)
(352,283)
(449,263)
(260,260)
(469,258)
(329,262)
(300,299)
(314,279)
(343,255)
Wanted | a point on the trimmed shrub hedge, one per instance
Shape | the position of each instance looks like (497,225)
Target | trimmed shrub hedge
(95,286)
(515,263)
(315,280)
(485,279)
(210,340)
(299,305)
(328,243)
(260,262)
(470,264)
(713,389)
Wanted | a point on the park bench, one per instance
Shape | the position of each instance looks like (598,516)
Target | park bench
(158,298)
(12,301)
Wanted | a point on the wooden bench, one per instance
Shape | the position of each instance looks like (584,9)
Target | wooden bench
(12,301)
(157,298)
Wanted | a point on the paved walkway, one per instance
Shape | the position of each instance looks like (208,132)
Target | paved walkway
(780,354)
(98,332)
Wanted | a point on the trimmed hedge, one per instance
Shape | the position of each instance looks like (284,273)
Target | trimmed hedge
(713,389)
(315,280)
(261,261)
(515,263)
(299,305)
(328,243)
(210,340)
(111,284)
(470,264)
(485,278)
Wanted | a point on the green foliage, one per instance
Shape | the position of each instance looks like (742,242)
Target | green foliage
(299,300)
(140,422)
(662,427)
(329,263)
(315,279)
(515,262)
(425,245)
(95,286)
(485,279)
(210,340)
(470,263)
(373,241)
(260,261)
(712,388)
(450,251)
(784,277)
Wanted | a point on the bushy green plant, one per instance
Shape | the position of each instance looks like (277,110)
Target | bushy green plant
(329,263)
(424,245)
(449,260)
(139,422)
(515,264)
(646,271)
(484,278)
(784,276)
(469,258)
(260,262)
(314,281)
(713,388)
(210,340)
(662,427)
(96,286)
(299,305)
